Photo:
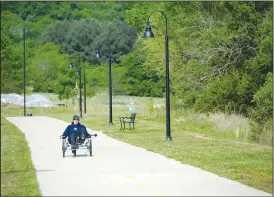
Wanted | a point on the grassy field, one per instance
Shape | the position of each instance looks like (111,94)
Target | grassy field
(204,141)
(18,176)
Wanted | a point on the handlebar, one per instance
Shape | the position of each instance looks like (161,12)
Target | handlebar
(90,135)
(64,137)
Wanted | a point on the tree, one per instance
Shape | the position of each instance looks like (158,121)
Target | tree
(262,113)
(45,66)
(11,54)
(86,35)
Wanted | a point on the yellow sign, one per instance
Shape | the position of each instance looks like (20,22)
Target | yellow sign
(76,86)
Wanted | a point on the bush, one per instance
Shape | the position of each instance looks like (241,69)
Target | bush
(262,112)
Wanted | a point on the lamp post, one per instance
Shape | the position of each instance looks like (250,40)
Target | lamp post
(149,34)
(85,91)
(78,70)
(24,35)
(109,84)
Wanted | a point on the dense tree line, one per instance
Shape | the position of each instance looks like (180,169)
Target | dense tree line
(57,32)
(220,56)
(220,52)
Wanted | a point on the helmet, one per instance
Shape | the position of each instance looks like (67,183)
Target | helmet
(76,117)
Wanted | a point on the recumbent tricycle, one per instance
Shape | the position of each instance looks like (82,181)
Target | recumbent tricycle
(81,143)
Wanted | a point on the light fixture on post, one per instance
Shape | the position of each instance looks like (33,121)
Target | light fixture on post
(109,82)
(149,34)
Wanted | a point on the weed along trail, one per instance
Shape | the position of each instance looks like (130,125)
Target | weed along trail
(115,169)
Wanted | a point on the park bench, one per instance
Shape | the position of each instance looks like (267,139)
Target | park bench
(130,120)
(61,104)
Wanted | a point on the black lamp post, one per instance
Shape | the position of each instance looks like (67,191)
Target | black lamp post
(85,91)
(149,34)
(24,34)
(78,70)
(109,83)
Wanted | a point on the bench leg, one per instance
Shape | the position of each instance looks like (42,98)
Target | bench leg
(124,126)
(120,123)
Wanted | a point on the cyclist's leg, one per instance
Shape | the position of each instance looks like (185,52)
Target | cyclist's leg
(72,140)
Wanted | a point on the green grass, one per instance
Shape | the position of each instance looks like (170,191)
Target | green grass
(18,176)
(196,144)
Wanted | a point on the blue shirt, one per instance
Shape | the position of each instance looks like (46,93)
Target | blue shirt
(76,129)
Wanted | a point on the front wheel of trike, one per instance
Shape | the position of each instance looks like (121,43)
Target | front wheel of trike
(64,148)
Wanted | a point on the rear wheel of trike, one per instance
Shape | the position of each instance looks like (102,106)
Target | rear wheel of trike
(90,147)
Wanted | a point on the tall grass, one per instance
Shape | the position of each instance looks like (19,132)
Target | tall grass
(231,127)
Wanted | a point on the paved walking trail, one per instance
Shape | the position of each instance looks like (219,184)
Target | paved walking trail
(116,169)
